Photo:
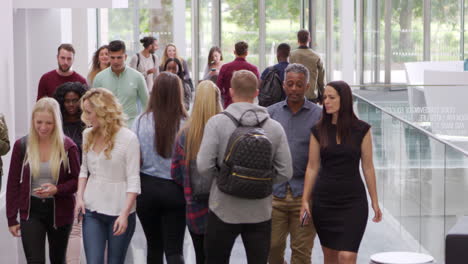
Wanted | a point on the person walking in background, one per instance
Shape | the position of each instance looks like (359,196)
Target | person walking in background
(100,62)
(161,205)
(184,170)
(4,144)
(215,61)
(41,185)
(272,78)
(173,65)
(170,52)
(64,73)
(227,70)
(297,116)
(311,59)
(108,182)
(68,96)
(231,215)
(338,144)
(127,84)
(146,61)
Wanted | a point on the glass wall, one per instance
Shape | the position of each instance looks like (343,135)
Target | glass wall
(407,38)
(421,183)
(445,30)
(239,21)
(281,26)
(224,22)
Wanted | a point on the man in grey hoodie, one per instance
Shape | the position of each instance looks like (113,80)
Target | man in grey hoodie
(230,216)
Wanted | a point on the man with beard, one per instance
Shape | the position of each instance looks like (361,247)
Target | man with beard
(51,80)
(146,61)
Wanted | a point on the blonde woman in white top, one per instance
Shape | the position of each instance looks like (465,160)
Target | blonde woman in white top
(109,180)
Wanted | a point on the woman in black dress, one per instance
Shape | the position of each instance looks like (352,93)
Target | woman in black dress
(337,145)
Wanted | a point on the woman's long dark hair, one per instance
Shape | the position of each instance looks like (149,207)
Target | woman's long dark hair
(166,106)
(346,116)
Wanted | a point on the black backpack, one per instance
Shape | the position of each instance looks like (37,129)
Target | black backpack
(247,169)
(271,91)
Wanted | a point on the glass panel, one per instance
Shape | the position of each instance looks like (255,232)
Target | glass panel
(407,36)
(411,183)
(205,33)
(391,165)
(154,19)
(319,43)
(281,26)
(432,197)
(373,40)
(336,63)
(445,30)
(456,186)
(239,21)
(188,35)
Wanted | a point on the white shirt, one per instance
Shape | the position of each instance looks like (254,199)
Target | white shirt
(145,65)
(111,179)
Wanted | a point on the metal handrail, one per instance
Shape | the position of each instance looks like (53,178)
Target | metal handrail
(425,132)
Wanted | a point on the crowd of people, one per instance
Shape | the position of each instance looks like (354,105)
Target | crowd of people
(139,140)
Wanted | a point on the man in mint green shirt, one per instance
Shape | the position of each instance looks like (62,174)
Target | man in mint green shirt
(127,84)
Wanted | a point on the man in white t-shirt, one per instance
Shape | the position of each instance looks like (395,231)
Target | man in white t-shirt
(146,61)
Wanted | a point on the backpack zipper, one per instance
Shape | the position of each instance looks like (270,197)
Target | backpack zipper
(250,178)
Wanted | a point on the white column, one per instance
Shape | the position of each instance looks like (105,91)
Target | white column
(179,26)
(80,39)
(347,49)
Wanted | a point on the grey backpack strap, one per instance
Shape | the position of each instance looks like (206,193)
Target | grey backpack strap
(234,120)
(138,60)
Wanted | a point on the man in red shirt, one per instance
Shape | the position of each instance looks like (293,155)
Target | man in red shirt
(51,80)
(225,74)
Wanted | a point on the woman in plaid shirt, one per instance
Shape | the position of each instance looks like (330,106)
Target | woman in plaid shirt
(207,104)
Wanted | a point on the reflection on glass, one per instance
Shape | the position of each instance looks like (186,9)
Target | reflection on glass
(205,33)
(281,26)
(445,30)
(239,21)
(407,36)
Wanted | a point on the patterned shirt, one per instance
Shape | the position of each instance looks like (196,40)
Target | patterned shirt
(195,212)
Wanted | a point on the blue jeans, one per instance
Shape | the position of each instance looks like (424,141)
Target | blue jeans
(97,230)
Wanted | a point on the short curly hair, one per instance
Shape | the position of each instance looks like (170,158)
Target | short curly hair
(76,87)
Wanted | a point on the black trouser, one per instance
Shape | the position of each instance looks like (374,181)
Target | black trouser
(161,210)
(34,230)
(198,246)
(220,238)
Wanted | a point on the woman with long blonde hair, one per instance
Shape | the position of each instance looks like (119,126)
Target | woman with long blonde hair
(41,184)
(106,197)
(207,104)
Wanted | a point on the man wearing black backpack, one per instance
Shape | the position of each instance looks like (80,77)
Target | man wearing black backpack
(271,84)
(146,61)
(247,152)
